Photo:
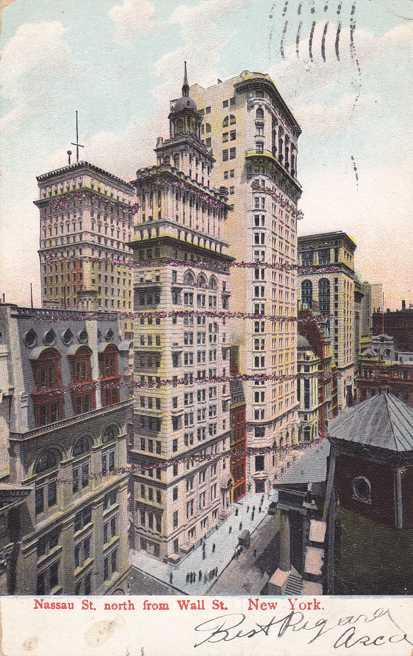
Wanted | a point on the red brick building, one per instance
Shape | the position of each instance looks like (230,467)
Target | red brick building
(398,324)
(238,430)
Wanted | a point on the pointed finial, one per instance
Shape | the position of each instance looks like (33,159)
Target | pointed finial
(185,86)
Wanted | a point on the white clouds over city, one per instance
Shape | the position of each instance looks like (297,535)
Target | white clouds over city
(132,18)
(30,60)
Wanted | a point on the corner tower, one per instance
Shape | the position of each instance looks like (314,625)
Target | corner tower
(180,448)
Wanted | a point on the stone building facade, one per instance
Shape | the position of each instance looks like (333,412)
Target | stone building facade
(86,220)
(383,369)
(254,138)
(64,430)
(180,449)
(326,285)
(238,429)
(308,364)
(397,324)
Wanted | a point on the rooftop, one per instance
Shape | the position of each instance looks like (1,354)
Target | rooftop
(310,468)
(338,234)
(78,166)
(382,421)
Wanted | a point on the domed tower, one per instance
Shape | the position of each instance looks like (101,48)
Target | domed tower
(184,118)
(184,149)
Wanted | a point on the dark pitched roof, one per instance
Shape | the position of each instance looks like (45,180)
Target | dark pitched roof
(310,468)
(383,421)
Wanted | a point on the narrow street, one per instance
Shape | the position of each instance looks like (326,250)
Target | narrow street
(218,551)
(250,573)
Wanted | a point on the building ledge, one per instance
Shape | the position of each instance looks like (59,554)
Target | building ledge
(70,421)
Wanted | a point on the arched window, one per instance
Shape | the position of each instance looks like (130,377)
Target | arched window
(47,369)
(232,119)
(307,293)
(110,434)
(324,295)
(47,376)
(81,447)
(225,122)
(83,391)
(109,375)
(46,470)
(109,362)
(213,283)
(81,466)
(46,461)
(189,279)
(362,489)
(259,114)
(109,449)
(202,281)
(81,365)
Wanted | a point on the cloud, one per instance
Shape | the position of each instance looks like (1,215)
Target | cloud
(323,93)
(131,18)
(369,214)
(205,10)
(31,59)
(204,54)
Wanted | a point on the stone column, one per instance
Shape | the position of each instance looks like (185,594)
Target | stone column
(65,483)
(285,546)
(67,565)
(278,581)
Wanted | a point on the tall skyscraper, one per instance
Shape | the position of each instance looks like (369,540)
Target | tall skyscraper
(366,310)
(86,219)
(253,136)
(377,301)
(180,452)
(326,284)
(358,316)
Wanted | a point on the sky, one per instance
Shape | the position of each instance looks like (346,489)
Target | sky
(119,61)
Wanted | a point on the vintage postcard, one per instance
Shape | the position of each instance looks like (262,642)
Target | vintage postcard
(206,327)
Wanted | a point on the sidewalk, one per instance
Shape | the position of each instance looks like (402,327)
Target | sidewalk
(225,544)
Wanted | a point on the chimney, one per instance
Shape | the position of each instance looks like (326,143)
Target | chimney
(403,305)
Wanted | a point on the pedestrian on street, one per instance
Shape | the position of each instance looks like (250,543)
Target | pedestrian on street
(203,555)
(171,577)
(255,553)
(213,548)
(199,575)
(205,578)
(230,529)
(240,526)
(248,508)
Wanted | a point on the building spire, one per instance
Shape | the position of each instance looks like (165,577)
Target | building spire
(185,86)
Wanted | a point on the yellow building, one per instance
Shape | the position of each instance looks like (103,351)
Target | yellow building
(181,444)
(326,284)
(253,136)
(86,219)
